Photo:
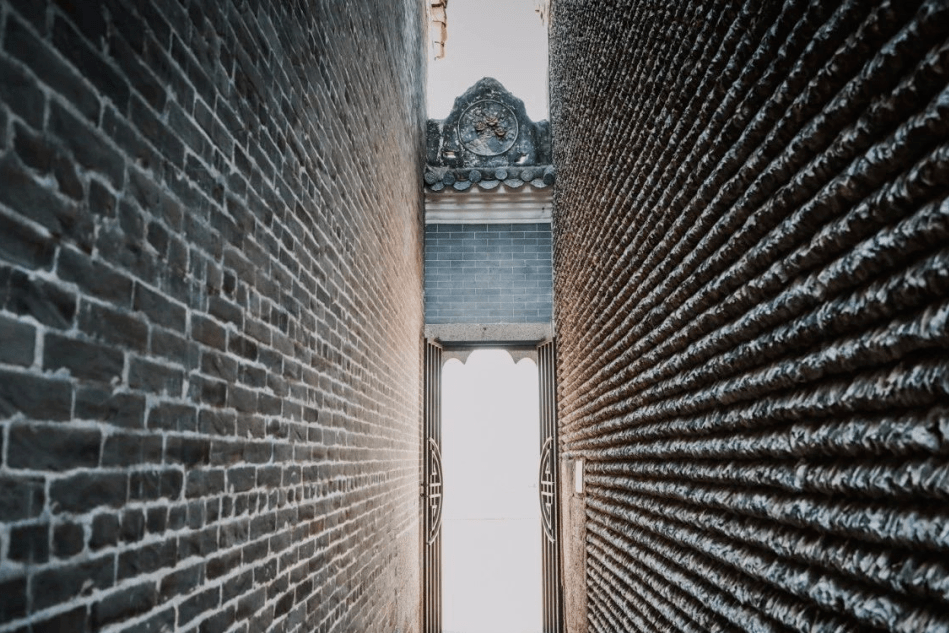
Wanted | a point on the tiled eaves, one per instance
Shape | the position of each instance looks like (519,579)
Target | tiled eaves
(462,179)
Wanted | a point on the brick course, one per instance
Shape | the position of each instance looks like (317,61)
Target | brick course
(210,315)
(488,273)
(750,291)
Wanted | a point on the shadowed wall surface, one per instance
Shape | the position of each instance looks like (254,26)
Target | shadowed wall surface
(210,313)
(751,282)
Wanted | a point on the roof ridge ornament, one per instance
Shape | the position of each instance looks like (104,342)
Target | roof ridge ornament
(463,178)
(487,129)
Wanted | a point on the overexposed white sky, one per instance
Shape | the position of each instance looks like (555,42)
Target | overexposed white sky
(491,530)
(504,39)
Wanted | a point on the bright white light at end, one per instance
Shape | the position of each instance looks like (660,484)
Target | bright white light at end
(491,532)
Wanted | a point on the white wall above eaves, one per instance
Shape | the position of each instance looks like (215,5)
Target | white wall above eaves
(501,205)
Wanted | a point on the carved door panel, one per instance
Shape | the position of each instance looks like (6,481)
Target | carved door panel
(548,484)
(432,491)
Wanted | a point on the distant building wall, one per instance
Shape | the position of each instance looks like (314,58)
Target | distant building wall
(487,273)
(209,315)
(751,282)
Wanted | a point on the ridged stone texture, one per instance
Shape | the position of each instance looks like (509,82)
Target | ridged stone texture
(751,291)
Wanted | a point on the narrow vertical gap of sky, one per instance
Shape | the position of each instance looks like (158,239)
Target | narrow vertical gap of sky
(503,39)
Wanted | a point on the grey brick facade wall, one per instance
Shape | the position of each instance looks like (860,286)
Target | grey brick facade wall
(488,273)
(209,318)
(751,229)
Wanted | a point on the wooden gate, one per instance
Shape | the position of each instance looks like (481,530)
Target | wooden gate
(549,490)
(432,491)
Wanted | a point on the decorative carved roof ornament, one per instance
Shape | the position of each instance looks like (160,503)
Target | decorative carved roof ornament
(487,140)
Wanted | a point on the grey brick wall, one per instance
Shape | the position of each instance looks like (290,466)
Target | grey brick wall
(752,221)
(209,321)
(488,273)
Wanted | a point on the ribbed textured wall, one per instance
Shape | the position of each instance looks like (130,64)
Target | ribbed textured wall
(751,291)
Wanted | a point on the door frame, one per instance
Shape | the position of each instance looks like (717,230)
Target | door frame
(432,480)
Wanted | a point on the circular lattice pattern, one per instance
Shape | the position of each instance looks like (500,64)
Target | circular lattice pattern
(487,128)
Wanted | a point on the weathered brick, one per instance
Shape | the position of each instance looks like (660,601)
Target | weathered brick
(30,544)
(21,43)
(219,622)
(22,244)
(242,346)
(35,151)
(133,145)
(12,598)
(181,581)
(185,130)
(241,479)
(88,61)
(112,326)
(206,331)
(21,497)
(57,585)
(188,451)
(19,90)
(18,342)
(172,417)
(74,620)
(198,542)
(198,604)
(119,409)
(83,359)
(146,559)
(216,422)
(174,348)
(35,396)
(48,303)
(124,53)
(93,277)
(224,564)
(242,399)
(122,449)
(124,604)
(105,531)
(225,310)
(161,621)
(208,392)
(155,484)
(154,377)
(68,539)
(159,309)
(156,519)
(55,448)
(85,491)
(219,366)
(101,200)
(88,146)
(133,525)
(204,483)
(157,133)
(91,21)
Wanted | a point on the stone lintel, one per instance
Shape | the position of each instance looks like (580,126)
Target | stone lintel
(480,335)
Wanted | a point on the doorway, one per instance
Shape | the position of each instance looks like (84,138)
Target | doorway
(491,550)
(489,506)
